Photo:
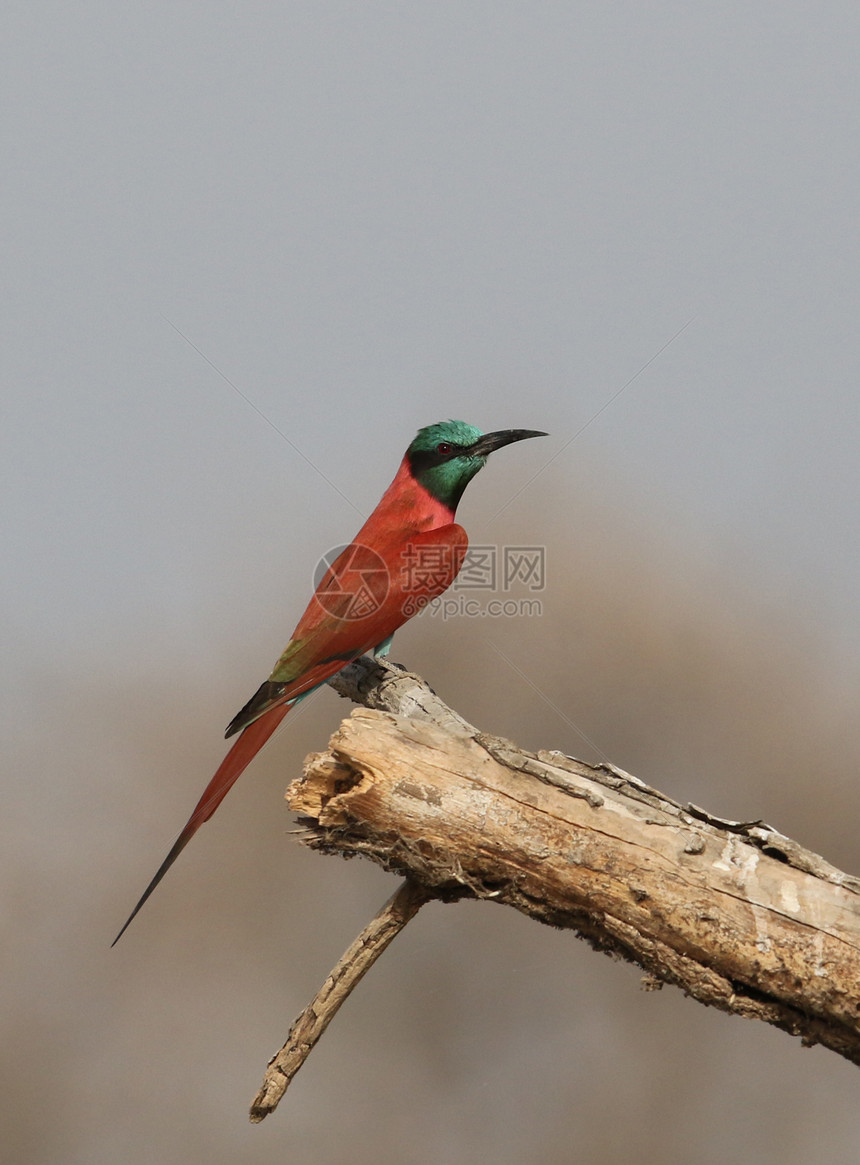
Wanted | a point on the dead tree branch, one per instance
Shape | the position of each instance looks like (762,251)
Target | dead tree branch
(734,913)
(357,960)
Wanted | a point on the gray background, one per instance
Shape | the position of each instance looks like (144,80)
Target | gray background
(370,217)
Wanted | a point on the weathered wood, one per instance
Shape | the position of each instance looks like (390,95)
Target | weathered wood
(737,915)
(351,968)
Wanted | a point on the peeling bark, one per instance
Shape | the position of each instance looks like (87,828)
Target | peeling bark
(737,915)
(734,913)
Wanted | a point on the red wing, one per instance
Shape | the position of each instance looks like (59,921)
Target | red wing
(362,599)
(323,642)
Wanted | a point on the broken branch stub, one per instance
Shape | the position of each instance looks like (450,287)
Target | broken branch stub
(351,968)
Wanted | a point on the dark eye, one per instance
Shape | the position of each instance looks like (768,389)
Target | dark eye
(443,447)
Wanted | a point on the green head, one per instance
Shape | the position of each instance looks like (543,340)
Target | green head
(445,457)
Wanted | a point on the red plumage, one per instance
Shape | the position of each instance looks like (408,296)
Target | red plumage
(406,554)
(422,549)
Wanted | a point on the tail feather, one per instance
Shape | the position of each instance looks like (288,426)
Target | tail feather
(231,768)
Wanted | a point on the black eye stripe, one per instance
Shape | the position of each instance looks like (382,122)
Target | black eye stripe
(438,454)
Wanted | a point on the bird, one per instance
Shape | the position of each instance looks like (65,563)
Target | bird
(405,555)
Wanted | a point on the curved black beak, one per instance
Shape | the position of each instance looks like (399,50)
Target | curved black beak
(490,441)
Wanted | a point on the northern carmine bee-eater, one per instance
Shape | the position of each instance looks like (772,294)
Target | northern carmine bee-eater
(406,554)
